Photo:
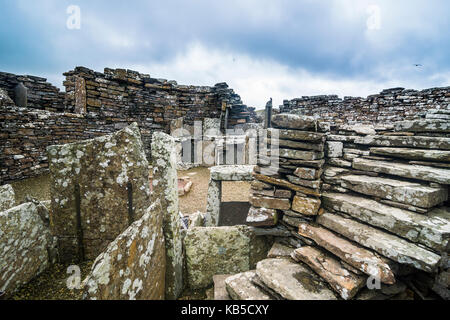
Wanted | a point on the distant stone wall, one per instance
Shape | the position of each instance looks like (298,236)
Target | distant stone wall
(41,94)
(97,104)
(390,105)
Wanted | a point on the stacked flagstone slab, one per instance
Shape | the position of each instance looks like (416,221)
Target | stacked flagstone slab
(381,228)
(288,188)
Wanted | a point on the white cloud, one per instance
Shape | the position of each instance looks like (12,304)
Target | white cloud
(256,80)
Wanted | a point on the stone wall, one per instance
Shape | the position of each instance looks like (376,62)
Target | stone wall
(41,94)
(96,104)
(390,105)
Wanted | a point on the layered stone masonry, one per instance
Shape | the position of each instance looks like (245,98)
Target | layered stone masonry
(96,104)
(357,205)
(390,105)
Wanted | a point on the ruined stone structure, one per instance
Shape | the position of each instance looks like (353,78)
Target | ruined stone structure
(96,104)
(390,105)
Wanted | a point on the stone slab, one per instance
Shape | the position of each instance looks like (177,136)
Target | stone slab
(291,121)
(396,190)
(285,184)
(306,206)
(241,287)
(356,256)
(413,154)
(292,281)
(423,126)
(424,173)
(296,135)
(344,282)
(262,217)
(441,143)
(220,289)
(232,173)
(7,197)
(388,245)
(418,228)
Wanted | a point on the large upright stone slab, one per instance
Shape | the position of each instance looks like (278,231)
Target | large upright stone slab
(98,188)
(7,197)
(424,173)
(165,188)
(133,266)
(220,250)
(396,190)
(292,281)
(429,231)
(25,243)
(388,245)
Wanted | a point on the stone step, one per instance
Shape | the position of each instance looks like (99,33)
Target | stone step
(292,280)
(418,228)
(300,155)
(413,154)
(356,256)
(423,126)
(405,142)
(292,121)
(388,245)
(344,282)
(241,287)
(297,144)
(296,135)
(395,190)
(424,173)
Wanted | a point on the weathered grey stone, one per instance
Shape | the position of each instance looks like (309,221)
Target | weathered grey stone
(213,201)
(197,219)
(270,203)
(431,232)
(291,121)
(297,144)
(406,142)
(133,266)
(300,154)
(259,185)
(424,173)
(279,250)
(219,250)
(25,242)
(220,288)
(339,163)
(388,245)
(292,281)
(356,256)
(21,95)
(101,184)
(285,184)
(334,149)
(232,173)
(5,100)
(413,154)
(344,282)
(7,197)
(262,217)
(313,184)
(359,129)
(308,173)
(423,126)
(165,188)
(396,190)
(241,287)
(303,163)
(296,135)
(306,206)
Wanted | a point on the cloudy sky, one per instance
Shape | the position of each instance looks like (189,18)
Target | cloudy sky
(281,49)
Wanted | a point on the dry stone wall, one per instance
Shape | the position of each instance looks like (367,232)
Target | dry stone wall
(390,105)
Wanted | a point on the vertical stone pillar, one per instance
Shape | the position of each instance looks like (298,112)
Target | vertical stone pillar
(213,203)
(165,188)
(21,95)
(268,114)
(80,95)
